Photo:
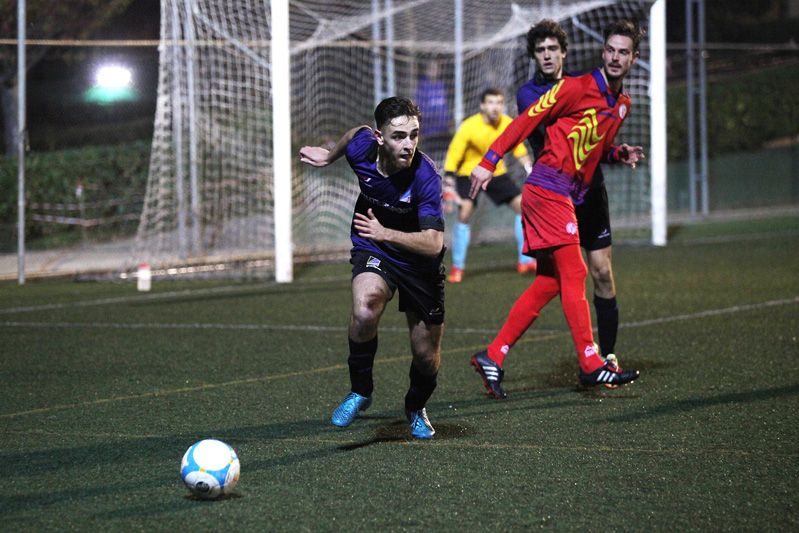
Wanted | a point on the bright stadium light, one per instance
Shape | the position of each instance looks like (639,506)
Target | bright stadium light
(113,77)
(112,83)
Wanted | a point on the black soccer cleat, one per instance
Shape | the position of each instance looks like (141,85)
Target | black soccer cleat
(608,374)
(491,373)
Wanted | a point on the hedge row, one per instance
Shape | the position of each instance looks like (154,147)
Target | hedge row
(742,114)
(116,172)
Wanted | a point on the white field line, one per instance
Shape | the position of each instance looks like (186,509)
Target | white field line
(390,359)
(466,445)
(158,296)
(239,289)
(215,326)
(339,328)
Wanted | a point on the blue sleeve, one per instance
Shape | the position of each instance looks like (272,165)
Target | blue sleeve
(428,192)
(524,98)
(360,145)
(529,93)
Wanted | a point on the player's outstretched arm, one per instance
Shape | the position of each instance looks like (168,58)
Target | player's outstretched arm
(319,156)
(425,242)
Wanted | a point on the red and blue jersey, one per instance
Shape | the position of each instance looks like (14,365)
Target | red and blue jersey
(582,118)
(527,94)
(408,201)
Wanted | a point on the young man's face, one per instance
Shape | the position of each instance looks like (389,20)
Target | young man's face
(618,57)
(549,57)
(492,107)
(399,138)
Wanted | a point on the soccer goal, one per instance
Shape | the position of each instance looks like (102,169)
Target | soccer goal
(211,195)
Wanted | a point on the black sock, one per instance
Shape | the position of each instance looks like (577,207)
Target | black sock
(360,361)
(607,322)
(421,389)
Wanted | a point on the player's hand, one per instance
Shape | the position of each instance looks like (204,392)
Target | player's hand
(316,156)
(369,227)
(480,178)
(630,155)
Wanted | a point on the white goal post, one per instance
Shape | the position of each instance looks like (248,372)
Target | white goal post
(243,85)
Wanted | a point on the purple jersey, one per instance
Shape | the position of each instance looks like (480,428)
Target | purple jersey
(529,93)
(408,201)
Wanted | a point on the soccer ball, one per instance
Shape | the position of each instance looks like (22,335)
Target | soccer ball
(210,468)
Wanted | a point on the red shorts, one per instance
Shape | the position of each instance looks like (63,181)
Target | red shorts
(548,219)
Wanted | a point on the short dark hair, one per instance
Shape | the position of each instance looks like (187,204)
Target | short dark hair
(491,91)
(625,28)
(546,28)
(393,107)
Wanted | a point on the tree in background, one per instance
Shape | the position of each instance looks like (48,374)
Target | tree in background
(45,19)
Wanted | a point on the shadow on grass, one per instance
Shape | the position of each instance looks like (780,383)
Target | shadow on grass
(398,431)
(152,508)
(735,398)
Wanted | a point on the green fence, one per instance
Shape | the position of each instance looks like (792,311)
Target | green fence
(741,180)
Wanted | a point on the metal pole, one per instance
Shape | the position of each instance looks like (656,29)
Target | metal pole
(458,62)
(177,130)
(21,133)
(391,84)
(281,141)
(194,192)
(703,111)
(658,136)
(377,64)
(690,90)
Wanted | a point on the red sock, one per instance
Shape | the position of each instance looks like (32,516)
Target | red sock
(572,272)
(523,313)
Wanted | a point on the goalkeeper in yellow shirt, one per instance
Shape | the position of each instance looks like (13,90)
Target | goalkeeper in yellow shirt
(471,141)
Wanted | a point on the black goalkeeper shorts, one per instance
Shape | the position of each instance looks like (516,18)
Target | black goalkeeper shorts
(501,190)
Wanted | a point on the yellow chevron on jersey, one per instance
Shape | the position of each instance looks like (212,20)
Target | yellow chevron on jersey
(585,138)
(546,101)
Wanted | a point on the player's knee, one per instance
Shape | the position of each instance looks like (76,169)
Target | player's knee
(602,274)
(366,313)
(426,359)
(574,272)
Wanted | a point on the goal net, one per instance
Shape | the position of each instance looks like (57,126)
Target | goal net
(209,201)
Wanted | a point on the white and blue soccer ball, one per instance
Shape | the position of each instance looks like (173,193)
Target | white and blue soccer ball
(210,468)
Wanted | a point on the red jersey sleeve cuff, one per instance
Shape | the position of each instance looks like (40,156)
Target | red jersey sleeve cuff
(490,160)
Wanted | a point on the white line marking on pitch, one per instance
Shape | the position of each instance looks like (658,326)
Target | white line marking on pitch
(207,386)
(295,327)
(198,325)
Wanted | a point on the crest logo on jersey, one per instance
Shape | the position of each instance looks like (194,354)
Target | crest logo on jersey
(571,228)
(373,262)
(546,101)
(585,138)
(622,110)
(406,197)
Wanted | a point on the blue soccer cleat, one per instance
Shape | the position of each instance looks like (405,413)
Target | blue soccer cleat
(346,412)
(421,428)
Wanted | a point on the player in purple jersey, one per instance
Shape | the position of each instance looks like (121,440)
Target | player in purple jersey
(397,238)
(546,45)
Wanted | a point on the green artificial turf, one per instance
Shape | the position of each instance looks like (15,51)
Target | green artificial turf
(102,389)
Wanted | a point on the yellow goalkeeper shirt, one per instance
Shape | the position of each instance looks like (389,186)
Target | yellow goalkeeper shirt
(472,141)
